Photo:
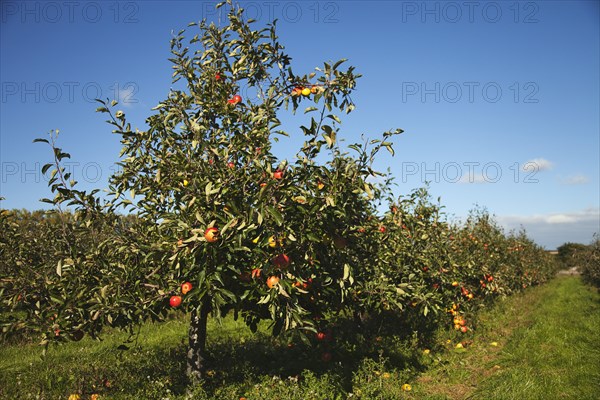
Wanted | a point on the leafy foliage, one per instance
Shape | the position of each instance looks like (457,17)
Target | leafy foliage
(299,243)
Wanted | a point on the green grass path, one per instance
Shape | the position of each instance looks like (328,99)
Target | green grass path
(549,348)
(557,356)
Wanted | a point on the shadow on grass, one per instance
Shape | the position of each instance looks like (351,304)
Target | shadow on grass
(238,359)
(385,343)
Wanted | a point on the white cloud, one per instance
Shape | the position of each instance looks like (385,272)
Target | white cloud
(553,229)
(537,164)
(473,178)
(560,219)
(127,96)
(575,180)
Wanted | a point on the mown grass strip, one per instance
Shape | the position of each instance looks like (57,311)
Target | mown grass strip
(538,345)
(557,356)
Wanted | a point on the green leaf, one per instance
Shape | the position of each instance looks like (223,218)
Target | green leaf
(276,215)
(340,62)
(207,190)
(346,272)
(335,118)
(390,149)
(232,222)
(46,167)
(312,237)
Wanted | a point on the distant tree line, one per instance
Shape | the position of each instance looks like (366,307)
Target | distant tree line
(586,258)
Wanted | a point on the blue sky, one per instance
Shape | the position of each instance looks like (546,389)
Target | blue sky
(499,100)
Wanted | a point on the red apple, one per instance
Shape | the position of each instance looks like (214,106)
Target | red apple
(186,287)
(175,301)
(281,261)
(211,234)
(278,174)
(272,281)
(256,272)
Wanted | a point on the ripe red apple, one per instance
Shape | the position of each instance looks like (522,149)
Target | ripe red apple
(235,99)
(382,229)
(211,234)
(281,261)
(321,336)
(297,91)
(217,76)
(186,287)
(256,272)
(231,164)
(278,174)
(464,329)
(272,281)
(175,301)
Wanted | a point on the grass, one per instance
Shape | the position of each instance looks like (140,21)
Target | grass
(556,355)
(546,348)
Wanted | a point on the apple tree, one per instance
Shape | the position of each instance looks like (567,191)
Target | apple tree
(218,223)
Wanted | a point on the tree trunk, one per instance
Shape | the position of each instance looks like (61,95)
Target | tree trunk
(196,355)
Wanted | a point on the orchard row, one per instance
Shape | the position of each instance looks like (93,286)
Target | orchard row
(203,217)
